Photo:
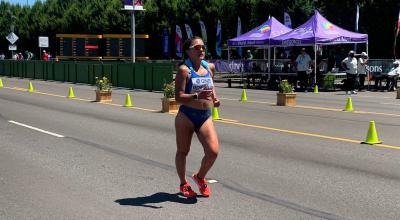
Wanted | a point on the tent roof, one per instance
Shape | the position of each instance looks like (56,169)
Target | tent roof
(261,35)
(318,30)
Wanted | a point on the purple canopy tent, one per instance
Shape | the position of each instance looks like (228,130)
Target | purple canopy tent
(318,31)
(260,36)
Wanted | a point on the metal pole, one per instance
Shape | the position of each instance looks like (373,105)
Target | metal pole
(269,61)
(315,64)
(133,36)
(368,73)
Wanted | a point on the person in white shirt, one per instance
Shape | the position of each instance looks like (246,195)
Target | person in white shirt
(362,69)
(350,65)
(303,63)
(392,76)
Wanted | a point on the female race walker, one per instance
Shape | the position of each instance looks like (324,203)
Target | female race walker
(195,91)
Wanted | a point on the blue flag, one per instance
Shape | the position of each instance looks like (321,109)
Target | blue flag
(218,45)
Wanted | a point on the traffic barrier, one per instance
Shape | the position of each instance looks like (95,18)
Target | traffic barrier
(1,83)
(214,113)
(349,105)
(128,102)
(70,93)
(372,136)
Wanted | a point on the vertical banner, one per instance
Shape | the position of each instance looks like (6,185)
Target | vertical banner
(188,31)
(287,20)
(357,18)
(165,43)
(396,36)
(287,23)
(238,33)
(178,41)
(218,44)
(203,32)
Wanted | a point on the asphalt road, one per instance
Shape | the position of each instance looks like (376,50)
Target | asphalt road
(104,161)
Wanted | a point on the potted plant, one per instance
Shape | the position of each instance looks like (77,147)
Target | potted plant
(169,104)
(286,95)
(103,90)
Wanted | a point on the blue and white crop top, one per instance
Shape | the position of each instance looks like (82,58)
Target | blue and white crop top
(197,83)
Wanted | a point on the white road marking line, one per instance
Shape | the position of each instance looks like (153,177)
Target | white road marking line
(212,181)
(389,103)
(36,129)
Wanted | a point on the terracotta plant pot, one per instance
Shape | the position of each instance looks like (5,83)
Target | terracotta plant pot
(169,105)
(103,96)
(286,99)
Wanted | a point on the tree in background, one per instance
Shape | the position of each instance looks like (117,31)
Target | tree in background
(377,18)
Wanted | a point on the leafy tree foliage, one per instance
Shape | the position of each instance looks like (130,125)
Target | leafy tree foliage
(47,18)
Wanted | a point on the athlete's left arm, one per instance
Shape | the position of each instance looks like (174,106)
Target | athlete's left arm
(217,103)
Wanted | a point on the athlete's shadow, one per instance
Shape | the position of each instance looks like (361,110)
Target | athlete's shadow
(159,197)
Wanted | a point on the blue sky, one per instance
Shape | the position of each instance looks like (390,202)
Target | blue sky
(21,2)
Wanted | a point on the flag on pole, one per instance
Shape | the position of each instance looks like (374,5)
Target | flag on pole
(218,45)
(238,33)
(396,35)
(178,41)
(188,31)
(287,20)
(288,23)
(357,18)
(203,32)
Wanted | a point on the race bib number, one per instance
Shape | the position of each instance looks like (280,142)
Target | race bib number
(201,84)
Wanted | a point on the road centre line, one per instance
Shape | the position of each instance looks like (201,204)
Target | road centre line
(36,129)
(235,122)
(308,134)
(80,99)
(321,108)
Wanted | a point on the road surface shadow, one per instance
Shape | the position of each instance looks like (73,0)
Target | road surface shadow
(159,197)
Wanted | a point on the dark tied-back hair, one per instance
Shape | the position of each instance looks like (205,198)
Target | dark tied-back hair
(187,44)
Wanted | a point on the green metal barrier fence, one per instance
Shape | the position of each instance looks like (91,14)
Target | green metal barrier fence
(147,76)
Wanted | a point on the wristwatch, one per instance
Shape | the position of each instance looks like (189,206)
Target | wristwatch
(195,96)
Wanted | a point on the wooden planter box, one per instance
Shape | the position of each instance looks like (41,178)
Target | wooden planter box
(169,105)
(398,93)
(286,99)
(103,96)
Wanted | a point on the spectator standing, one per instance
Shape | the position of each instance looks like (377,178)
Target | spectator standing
(362,70)
(2,56)
(249,55)
(350,65)
(322,67)
(331,60)
(303,63)
(45,56)
(392,76)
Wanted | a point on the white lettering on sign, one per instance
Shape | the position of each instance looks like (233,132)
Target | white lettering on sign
(375,69)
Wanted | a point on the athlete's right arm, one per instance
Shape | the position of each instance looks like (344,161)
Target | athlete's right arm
(180,83)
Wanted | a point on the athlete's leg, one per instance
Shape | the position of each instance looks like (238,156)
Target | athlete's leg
(184,132)
(208,138)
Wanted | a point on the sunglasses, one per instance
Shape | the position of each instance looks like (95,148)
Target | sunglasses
(198,47)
